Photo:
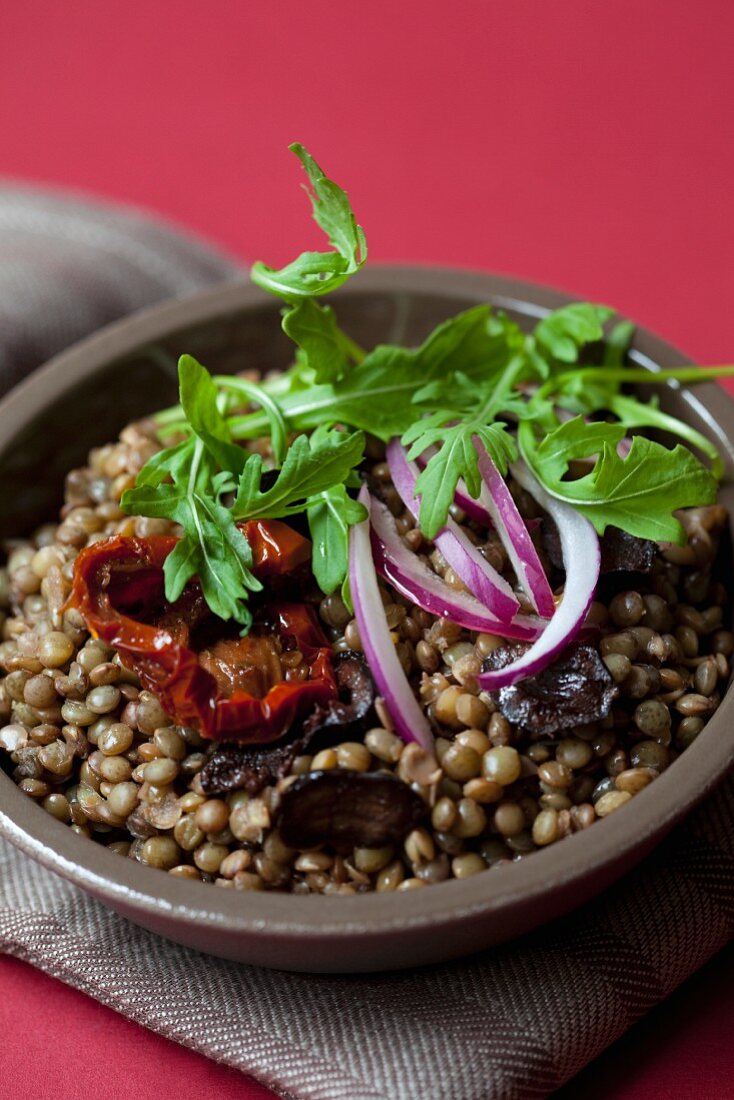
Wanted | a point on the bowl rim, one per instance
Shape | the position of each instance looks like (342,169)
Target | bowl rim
(131,886)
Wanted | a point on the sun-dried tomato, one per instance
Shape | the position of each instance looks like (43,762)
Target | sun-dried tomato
(232,767)
(119,589)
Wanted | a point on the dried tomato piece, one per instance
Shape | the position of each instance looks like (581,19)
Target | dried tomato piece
(573,691)
(348,809)
(276,547)
(252,767)
(233,692)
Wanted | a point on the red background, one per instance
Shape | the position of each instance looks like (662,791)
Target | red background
(588,145)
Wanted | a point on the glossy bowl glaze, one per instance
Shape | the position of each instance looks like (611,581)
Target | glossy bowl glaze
(81,399)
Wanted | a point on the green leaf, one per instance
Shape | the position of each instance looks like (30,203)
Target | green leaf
(173,462)
(455,459)
(573,440)
(379,394)
(313,274)
(332,211)
(308,276)
(217,552)
(160,502)
(180,567)
(312,465)
(346,594)
(314,329)
(618,343)
(330,515)
(436,484)
(475,342)
(594,392)
(562,334)
(634,414)
(212,547)
(638,493)
(251,391)
(198,396)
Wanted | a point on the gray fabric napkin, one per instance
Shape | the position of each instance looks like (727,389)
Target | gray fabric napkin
(69,266)
(509,1024)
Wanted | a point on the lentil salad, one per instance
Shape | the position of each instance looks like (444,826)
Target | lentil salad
(486,788)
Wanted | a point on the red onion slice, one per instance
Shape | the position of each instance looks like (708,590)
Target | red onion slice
(582,558)
(514,535)
(414,580)
(482,580)
(405,710)
(475,509)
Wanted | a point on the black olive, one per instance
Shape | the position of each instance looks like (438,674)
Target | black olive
(348,809)
(356,696)
(234,767)
(625,559)
(573,691)
(625,553)
(620,551)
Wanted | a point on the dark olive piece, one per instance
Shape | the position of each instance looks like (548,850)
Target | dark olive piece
(234,767)
(620,552)
(625,553)
(356,695)
(348,809)
(575,690)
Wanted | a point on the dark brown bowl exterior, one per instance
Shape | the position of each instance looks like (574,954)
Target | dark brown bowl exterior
(82,398)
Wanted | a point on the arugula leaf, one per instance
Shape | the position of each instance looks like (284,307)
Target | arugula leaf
(561,335)
(198,396)
(618,343)
(455,459)
(332,212)
(314,329)
(385,392)
(589,394)
(212,547)
(634,414)
(313,274)
(312,465)
(381,393)
(244,387)
(173,462)
(217,552)
(638,493)
(572,440)
(330,515)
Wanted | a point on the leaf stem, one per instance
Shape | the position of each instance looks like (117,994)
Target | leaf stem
(273,413)
(351,348)
(632,374)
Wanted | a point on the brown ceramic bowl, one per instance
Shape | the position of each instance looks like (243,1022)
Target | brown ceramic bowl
(83,398)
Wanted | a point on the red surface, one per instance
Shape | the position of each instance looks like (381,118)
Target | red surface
(585,145)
